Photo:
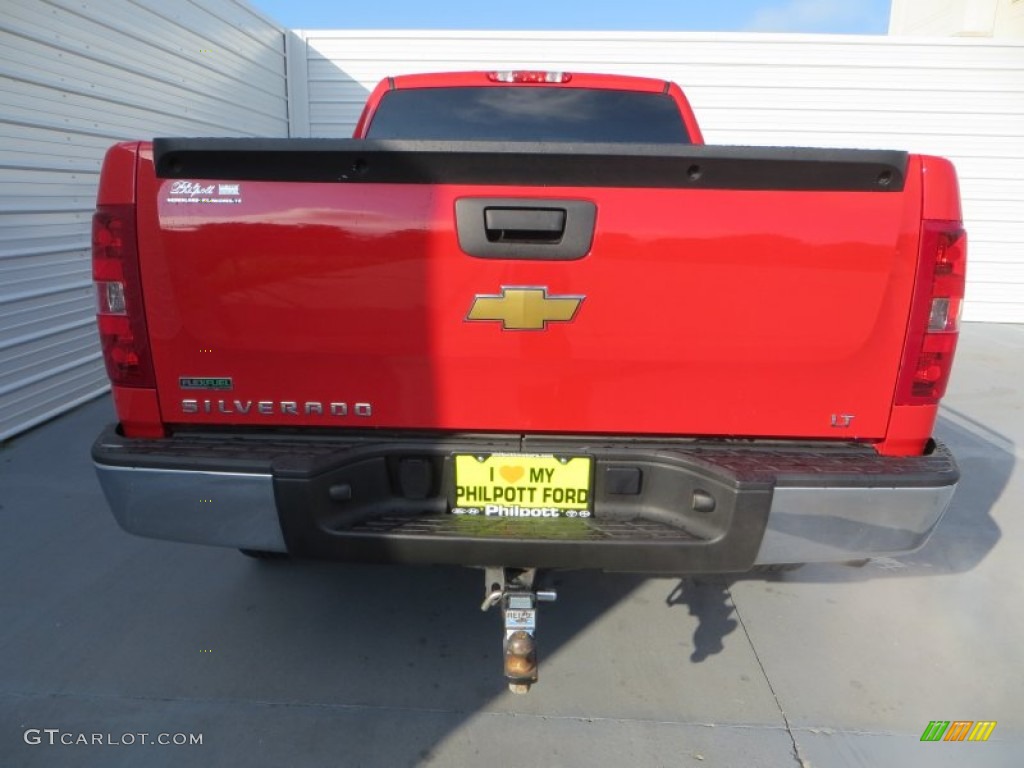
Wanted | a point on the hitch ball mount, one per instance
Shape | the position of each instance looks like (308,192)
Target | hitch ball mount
(514,591)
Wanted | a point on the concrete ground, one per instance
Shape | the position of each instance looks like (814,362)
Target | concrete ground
(313,664)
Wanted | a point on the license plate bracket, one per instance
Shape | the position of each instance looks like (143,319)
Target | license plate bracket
(523,485)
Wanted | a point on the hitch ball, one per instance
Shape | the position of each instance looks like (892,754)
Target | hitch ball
(521,658)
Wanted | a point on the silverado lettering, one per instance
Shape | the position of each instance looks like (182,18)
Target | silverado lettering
(753,381)
(270,407)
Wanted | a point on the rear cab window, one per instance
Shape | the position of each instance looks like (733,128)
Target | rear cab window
(525,113)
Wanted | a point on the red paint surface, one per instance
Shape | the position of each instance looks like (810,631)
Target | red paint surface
(706,312)
(139,411)
(117,181)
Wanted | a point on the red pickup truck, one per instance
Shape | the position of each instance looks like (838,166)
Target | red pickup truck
(528,320)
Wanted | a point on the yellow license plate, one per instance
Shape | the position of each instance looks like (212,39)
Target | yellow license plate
(522,485)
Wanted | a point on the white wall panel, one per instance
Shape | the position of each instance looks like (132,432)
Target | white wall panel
(988,18)
(959,98)
(75,77)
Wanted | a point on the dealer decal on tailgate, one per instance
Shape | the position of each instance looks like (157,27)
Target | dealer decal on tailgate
(522,485)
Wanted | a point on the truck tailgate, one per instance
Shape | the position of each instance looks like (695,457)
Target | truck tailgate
(697,309)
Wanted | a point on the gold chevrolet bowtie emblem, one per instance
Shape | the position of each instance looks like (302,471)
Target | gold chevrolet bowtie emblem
(524,309)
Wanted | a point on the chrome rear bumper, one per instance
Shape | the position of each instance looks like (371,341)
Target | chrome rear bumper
(226,509)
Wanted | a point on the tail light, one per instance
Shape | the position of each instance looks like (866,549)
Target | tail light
(119,313)
(935,314)
(521,76)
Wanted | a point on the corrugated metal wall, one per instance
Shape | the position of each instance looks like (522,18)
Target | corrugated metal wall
(963,99)
(76,76)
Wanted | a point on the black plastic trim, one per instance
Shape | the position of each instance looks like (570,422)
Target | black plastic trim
(531,164)
(305,454)
(574,241)
(380,523)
